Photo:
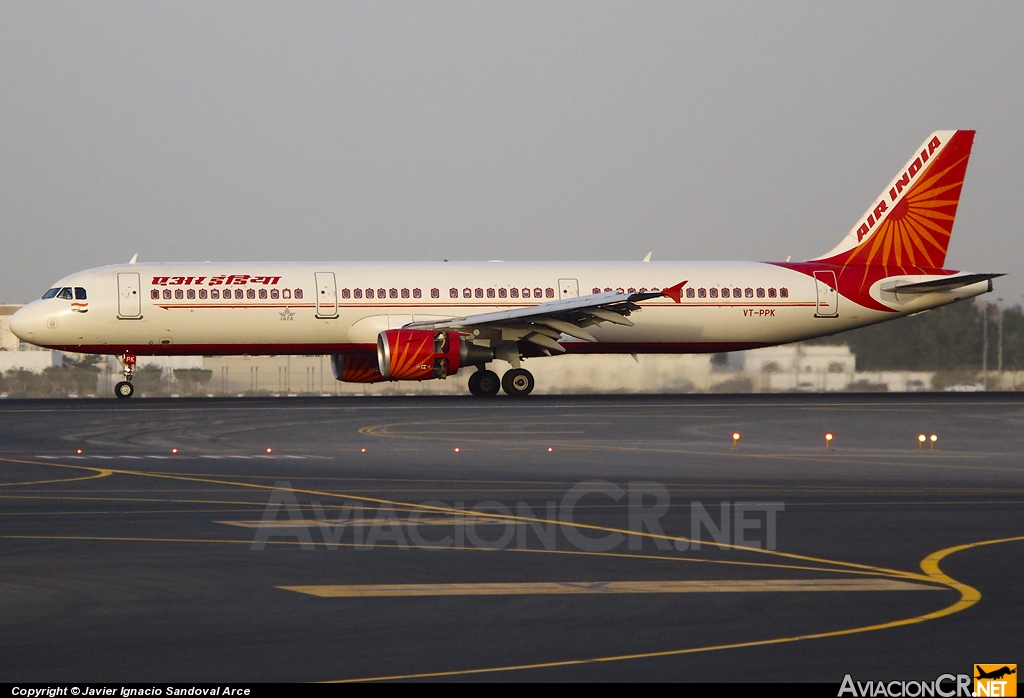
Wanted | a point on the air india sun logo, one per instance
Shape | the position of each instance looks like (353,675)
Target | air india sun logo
(915,232)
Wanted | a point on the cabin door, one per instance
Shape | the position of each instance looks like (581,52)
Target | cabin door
(828,299)
(129,300)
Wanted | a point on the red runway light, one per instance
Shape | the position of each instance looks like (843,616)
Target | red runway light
(174,450)
(270,450)
(79,450)
(456,449)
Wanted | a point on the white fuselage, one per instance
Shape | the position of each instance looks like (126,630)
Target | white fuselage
(313,308)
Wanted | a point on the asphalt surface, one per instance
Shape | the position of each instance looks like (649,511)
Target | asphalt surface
(431,537)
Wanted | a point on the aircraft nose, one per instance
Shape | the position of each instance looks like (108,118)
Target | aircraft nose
(24,321)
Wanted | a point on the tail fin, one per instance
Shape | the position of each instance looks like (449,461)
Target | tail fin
(910,223)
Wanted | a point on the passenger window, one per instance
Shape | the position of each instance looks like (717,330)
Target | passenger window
(416,293)
(772,293)
(702,293)
(690,293)
(154,294)
(190,294)
(405,293)
(263,293)
(784,292)
(358,293)
(549,292)
(274,293)
(249,293)
(435,293)
(526,293)
(394,293)
(369,293)
(514,293)
(596,290)
(502,293)
(631,291)
(214,294)
(238,293)
(760,293)
(298,293)
(167,293)
(202,293)
(79,293)
(713,293)
(287,293)
(453,293)
(620,290)
(725,293)
(748,292)
(479,293)
(736,292)
(607,290)
(179,294)
(537,292)
(467,293)
(490,293)
(381,293)
(54,291)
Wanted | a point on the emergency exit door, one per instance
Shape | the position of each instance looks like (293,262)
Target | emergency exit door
(568,288)
(326,294)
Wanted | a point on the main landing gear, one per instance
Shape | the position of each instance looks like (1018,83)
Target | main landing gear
(125,387)
(517,382)
(484,383)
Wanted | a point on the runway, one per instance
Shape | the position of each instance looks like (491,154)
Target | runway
(547,539)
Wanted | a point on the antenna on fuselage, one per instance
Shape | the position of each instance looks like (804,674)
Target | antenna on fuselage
(134,259)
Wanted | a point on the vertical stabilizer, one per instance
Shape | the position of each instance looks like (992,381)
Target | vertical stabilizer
(910,223)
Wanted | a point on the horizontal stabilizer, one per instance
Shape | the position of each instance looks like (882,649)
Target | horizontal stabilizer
(946,284)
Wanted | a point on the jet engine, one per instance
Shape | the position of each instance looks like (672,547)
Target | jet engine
(356,367)
(424,354)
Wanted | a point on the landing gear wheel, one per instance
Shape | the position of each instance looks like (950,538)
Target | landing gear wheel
(518,382)
(484,383)
(124,389)
(488,382)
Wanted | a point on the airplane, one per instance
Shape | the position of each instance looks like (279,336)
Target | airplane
(423,321)
(996,674)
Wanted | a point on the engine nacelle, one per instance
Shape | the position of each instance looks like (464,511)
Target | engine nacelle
(423,354)
(356,367)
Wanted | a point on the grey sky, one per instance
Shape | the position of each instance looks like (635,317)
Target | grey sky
(421,131)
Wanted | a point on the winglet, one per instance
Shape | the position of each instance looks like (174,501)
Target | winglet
(674,292)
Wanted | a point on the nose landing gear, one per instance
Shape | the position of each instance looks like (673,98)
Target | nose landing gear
(125,388)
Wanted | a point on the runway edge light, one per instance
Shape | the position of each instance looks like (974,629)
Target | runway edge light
(934,438)
(828,440)
(920,441)
(735,439)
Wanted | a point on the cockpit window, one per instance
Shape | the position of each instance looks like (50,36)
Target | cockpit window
(51,293)
(79,293)
(65,293)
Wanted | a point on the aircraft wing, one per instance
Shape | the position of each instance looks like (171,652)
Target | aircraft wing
(544,323)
